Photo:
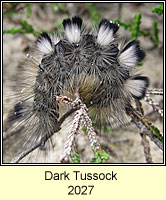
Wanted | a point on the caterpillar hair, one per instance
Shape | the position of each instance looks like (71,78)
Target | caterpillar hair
(93,64)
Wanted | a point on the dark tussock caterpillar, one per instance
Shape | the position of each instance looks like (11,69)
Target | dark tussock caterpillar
(93,63)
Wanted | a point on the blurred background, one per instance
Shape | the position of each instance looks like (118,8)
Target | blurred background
(23,22)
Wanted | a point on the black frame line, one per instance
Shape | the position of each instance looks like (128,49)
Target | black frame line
(81,164)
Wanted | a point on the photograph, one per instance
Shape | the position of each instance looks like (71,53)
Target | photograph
(83,83)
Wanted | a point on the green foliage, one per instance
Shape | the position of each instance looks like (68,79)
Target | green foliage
(9,9)
(58,6)
(54,7)
(126,26)
(62,6)
(107,129)
(93,12)
(156,32)
(158,10)
(29,10)
(140,64)
(84,128)
(75,157)
(155,131)
(135,30)
(58,25)
(153,37)
(99,155)
(134,27)
(26,28)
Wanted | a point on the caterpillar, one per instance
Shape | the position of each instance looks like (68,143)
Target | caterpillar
(92,63)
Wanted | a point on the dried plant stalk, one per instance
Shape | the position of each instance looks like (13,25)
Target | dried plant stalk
(154,105)
(146,146)
(80,118)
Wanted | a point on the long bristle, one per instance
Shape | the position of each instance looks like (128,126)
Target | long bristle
(137,86)
(106,32)
(131,54)
(72,29)
(44,43)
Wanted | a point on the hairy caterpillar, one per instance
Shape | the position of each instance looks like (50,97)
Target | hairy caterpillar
(91,63)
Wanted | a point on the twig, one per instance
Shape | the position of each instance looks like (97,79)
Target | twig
(146,146)
(80,118)
(143,129)
(126,126)
(154,105)
(152,111)
(73,132)
(139,106)
(145,142)
(155,91)
(32,148)
(90,131)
